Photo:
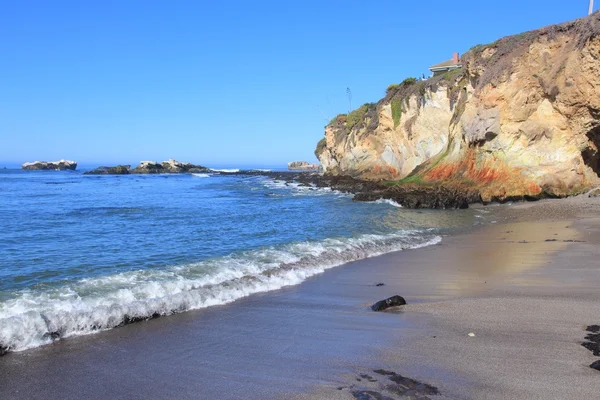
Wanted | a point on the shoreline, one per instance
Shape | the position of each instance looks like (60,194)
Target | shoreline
(526,297)
(408,195)
(308,340)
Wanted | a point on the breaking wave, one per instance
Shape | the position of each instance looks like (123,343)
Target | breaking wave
(34,317)
(388,201)
(226,170)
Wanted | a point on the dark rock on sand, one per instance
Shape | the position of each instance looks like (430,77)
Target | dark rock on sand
(391,386)
(368,377)
(593,339)
(593,328)
(595,365)
(62,165)
(389,302)
(118,170)
(369,395)
(407,386)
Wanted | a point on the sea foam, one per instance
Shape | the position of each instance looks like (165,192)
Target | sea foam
(34,317)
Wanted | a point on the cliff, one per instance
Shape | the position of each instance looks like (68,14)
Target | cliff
(521,118)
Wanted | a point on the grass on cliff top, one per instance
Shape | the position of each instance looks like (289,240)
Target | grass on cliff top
(508,48)
(355,116)
(396,95)
(336,119)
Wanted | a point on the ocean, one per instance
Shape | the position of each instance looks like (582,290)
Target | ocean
(82,254)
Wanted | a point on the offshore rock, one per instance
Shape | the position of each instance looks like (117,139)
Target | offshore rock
(62,165)
(302,166)
(168,167)
(519,120)
(118,170)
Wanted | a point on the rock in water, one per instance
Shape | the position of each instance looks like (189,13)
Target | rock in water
(302,165)
(393,301)
(118,170)
(62,165)
(168,167)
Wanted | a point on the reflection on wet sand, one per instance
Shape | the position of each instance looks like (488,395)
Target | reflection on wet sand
(504,255)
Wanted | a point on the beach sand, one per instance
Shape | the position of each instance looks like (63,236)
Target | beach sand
(526,285)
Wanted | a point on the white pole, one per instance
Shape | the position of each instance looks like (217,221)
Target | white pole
(591,7)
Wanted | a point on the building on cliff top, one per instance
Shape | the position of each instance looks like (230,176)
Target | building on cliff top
(449,65)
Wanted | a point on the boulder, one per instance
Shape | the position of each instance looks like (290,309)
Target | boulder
(118,170)
(595,365)
(393,301)
(62,165)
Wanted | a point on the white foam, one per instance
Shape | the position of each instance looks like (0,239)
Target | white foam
(34,317)
(296,189)
(388,201)
(201,175)
(225,170)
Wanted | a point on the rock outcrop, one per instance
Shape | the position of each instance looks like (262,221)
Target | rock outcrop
(302,166)
(117,170)
(168,167)
(62,165)
(521,119)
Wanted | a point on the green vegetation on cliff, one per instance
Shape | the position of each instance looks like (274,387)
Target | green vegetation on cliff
(320,147)
(356,116)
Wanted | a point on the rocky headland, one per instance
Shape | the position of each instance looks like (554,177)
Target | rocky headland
(519,120)
(62,165)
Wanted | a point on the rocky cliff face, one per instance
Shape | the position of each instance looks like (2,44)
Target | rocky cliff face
(521,118)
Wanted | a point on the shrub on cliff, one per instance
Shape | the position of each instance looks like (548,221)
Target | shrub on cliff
(320,147)
(341,118)
(359,116)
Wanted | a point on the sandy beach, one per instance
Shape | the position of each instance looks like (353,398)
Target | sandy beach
(524,285)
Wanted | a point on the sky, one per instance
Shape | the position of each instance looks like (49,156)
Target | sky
(220,83)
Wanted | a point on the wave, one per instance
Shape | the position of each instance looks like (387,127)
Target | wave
(388,201)
(298,189)
(226,170)
(201,175)
(34,317)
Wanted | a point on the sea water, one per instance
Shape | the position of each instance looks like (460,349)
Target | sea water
(81,254)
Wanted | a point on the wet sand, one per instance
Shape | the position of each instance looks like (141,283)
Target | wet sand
(526,286)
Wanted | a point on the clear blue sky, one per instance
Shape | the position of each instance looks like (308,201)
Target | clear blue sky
(222,82)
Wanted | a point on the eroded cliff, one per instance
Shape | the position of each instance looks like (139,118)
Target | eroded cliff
(520,118)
